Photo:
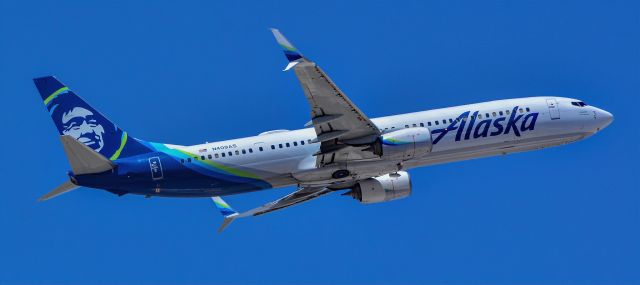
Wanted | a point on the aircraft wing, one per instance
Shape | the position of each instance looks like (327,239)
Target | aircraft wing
(300,196)
(341,127)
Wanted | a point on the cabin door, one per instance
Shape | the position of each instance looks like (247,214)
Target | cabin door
(554,112)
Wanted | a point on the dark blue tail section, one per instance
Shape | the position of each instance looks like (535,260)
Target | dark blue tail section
(74,117)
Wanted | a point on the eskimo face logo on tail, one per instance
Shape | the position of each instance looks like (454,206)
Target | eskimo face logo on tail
(83,125)
(75,118)
(517,124)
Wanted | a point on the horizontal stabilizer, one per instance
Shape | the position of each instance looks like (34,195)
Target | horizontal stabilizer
(83,159)
(64,188)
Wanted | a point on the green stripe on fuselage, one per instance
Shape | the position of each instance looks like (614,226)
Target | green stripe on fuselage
(230,170)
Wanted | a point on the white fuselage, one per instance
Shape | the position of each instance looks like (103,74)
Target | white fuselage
(287,157)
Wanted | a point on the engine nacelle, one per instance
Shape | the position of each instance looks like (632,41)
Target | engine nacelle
(406,143)
(382,188)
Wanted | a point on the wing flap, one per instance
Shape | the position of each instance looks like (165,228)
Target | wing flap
(326,99)
(302,195)
(297,197)
(336,120)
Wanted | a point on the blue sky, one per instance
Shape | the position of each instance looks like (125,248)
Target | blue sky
(186,72)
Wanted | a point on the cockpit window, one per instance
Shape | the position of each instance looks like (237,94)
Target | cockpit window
(578,103)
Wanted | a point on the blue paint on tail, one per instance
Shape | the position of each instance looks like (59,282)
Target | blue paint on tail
(76,118)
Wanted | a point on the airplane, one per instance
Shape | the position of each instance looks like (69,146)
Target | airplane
(340,148)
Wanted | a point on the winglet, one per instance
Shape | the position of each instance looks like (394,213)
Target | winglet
(226,210)
(293,55)
(227,221)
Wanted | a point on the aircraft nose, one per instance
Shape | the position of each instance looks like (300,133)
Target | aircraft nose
(604,118)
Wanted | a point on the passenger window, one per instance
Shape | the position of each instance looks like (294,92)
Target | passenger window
(273,147)
(223,154)
(260,149)
(202,157)
(216,155)
(450,121)
(429,124)
(237,152)
(230,153)
(528,110)
(437,123)
(189,159)
(406,126)
(501,114)
(244,151)
(414,125)
(288,145)
(494,114)
(210,157)
(422,124)
(444,121)
(521,111)
(508,112)
(486,115)
(279,145)
(309,141)
(250,150)
(295,143)
(181,160)
(302,142)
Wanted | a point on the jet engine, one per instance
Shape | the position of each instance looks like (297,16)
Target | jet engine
(382,188)
(404,144)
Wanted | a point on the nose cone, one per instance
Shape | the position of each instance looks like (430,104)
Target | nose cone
(603,118)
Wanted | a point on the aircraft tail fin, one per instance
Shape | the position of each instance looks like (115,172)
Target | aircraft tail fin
(64,188)
(75,118)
